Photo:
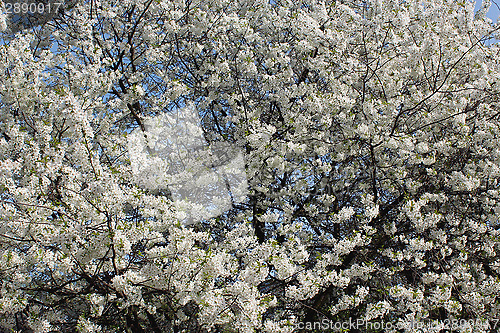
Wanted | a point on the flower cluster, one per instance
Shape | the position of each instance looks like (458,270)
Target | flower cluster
(340,161)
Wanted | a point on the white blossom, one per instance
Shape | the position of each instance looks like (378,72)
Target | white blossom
(247,166)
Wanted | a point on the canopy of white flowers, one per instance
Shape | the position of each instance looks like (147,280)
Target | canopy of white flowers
(368,132)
